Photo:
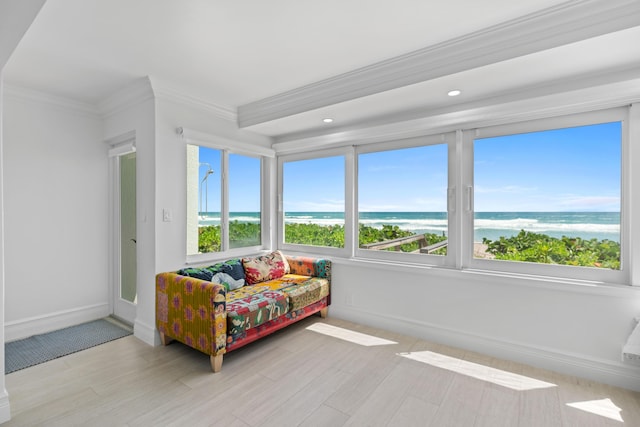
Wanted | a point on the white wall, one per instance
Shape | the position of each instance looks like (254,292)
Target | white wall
(563,327)
(154,115)
(15,18)
(5,408)
(171,170)
(133,109)
(56,214)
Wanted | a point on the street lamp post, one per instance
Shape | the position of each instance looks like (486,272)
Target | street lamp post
(206,187)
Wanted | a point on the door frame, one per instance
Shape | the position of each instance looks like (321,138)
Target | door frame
(122,309)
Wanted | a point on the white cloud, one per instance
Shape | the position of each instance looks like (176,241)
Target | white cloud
(507,189)
(590,203)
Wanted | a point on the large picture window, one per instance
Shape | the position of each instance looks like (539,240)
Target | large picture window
(222,216)
(402,200)
(550,197)
(313,201)
(540,198)
(244,201)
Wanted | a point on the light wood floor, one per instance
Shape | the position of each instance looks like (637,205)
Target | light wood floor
(301,377)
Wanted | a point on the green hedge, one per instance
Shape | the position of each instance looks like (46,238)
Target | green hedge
(540,248)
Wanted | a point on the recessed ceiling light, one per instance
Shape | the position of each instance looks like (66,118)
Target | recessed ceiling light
(327,120)
(454,93)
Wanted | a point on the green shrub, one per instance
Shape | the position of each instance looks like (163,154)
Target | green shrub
(540,248)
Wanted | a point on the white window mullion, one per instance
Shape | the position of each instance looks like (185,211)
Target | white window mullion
(454,205)
(224,206)
(350,216)
(268,204)
(630,180)
(465,221)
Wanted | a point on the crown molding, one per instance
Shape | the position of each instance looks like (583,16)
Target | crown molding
(163,91)
(560,98)
(137,92)
(195,137)
(553,27)
(77,107)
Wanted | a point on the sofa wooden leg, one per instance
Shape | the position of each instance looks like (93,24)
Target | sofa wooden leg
(165,340)
(216,363)
(324,312)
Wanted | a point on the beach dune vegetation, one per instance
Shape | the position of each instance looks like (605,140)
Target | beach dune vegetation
(534,247)
(525,246)
(248,234)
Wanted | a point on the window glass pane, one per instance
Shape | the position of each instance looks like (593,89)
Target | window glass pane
(244,201)
(313,201)
(203,199)
(402,200)
(550,197)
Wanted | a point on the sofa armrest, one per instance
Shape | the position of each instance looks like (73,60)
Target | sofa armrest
(192,311)
(309,266)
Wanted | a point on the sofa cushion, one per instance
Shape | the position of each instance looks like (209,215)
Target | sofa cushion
(301,290)
(318,267)
(266,267)
(251,306)
(307,292)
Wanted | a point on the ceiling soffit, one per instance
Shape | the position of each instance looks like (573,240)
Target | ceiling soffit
(583,95)
(553,27)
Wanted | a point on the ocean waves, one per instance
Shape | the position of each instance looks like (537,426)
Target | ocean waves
(489,225)
(538,226)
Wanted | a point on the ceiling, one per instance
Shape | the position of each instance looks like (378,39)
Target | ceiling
(284,65)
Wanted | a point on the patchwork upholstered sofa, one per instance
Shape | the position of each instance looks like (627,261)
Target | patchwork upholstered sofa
(222,307)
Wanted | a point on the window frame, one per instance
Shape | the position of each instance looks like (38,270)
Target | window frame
(449,139)
(226,148)
(586,274)
(347,250)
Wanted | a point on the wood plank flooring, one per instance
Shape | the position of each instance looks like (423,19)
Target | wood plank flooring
(301,377)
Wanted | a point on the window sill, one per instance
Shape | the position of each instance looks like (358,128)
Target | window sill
(557,284)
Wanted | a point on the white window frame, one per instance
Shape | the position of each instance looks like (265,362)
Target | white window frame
(347,251)
(227,146)
(448,260)
(588,275)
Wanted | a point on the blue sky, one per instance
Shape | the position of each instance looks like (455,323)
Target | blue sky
(573,169)
(412,179)
(244,176)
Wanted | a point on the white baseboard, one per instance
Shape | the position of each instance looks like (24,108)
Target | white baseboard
(146,333)
(5,408)
(603,371)
(24,328)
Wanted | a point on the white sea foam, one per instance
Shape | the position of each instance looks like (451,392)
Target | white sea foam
(536,226)
(312,220)
(245,218)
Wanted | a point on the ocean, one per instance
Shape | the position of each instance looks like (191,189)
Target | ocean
(491,225)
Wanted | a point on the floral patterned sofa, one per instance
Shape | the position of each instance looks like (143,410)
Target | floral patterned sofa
(210,310)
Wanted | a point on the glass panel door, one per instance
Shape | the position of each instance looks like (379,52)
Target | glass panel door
(125,292)
(128,241)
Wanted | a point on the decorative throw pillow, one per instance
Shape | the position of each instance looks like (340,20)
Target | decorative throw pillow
(266,267)
(198,273)
(232,267)
(227,281)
